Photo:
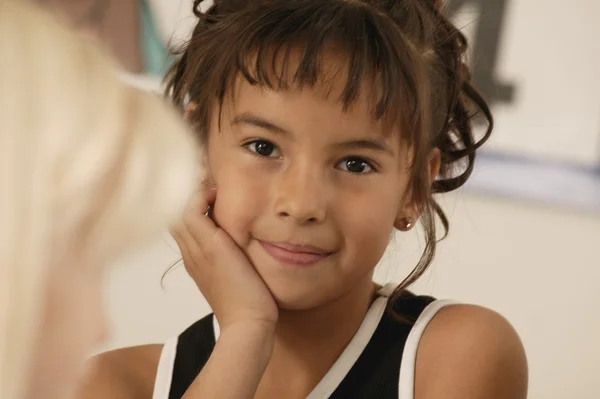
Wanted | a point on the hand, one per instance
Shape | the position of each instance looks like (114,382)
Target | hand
(221,270)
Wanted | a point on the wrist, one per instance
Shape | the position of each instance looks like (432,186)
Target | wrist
(258,328)
(256,340)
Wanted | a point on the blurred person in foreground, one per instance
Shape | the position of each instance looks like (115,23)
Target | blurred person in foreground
(88,168)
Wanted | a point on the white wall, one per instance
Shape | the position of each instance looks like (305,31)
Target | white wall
(539,267)
(551,53)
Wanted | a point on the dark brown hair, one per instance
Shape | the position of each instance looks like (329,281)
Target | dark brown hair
(412,54)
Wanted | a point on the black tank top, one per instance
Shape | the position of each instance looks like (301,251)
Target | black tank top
(378,363)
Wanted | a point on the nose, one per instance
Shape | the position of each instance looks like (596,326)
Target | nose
(301,195)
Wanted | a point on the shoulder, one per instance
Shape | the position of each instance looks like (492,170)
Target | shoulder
(470,352)
(122,374)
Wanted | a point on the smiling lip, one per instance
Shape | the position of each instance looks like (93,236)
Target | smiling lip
(297,255)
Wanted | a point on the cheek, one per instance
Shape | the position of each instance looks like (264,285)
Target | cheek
(367,222)
(242,197)
(371,225)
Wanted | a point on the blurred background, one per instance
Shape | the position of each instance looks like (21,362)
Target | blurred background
(525,232)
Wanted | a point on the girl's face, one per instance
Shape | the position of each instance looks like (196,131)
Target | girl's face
(311,193)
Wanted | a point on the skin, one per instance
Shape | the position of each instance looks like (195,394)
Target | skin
(72,303)
(314,182)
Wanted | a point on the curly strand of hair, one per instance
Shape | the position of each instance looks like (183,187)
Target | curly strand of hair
(455,139)
(428,224)
(196,8)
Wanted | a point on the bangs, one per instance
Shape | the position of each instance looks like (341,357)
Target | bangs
(404,57)
(297,44)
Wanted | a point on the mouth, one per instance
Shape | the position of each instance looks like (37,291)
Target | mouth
(295,254)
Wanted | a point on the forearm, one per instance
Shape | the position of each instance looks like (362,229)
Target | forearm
(236,365)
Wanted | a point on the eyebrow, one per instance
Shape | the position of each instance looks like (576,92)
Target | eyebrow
(254,120)
(369,144)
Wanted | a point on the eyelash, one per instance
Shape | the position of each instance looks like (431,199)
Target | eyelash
(371,165)
(247,145)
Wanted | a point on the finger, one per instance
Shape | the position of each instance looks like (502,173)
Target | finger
(197,220)
(210,195)
(202,200)
(209,189)
(180,238)
(208,182)
(184,240)
(201,229)
(192,221)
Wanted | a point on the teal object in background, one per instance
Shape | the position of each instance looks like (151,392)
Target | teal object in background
(156,56)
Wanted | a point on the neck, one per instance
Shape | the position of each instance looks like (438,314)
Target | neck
(308,342)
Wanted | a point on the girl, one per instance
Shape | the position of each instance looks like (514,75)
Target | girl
(88,167)
(326,125)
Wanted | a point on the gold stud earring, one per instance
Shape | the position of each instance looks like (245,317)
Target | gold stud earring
(408,223)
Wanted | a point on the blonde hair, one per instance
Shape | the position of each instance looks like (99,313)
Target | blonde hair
(82,156)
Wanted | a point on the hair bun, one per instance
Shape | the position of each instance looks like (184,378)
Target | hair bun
(196,8)
(220,7)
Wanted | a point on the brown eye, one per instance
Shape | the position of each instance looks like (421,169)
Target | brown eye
(264,148)
(356,165)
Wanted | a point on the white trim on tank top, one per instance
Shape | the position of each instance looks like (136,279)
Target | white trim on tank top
(344,363)
(406,382)
(355,348)
(164,372)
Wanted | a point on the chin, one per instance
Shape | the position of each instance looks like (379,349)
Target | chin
(290,303)
(299,295)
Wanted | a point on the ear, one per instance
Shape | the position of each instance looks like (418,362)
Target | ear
(189,110)
(409,212)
